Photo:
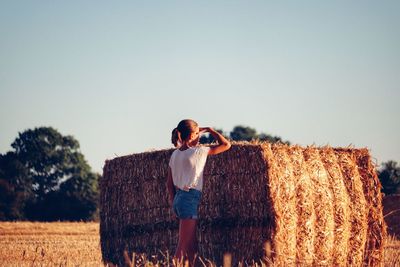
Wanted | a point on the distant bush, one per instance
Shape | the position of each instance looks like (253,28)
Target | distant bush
(389,175)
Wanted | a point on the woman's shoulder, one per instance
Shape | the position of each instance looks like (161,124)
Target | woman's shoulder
(202,149)
(195,149)
(174,153)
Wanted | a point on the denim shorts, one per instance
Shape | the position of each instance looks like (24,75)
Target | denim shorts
(186,203)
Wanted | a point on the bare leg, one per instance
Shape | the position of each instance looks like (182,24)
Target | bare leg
(187,244)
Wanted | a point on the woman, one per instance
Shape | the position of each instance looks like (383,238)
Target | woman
(185,180)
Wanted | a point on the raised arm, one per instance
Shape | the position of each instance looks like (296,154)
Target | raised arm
(223,144)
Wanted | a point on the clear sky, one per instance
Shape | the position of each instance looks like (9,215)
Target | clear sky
(120,75)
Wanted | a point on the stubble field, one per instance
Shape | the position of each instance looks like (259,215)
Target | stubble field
(49,244)
(78,244)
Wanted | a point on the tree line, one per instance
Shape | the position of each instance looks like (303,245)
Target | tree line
(243,133)
(46,177)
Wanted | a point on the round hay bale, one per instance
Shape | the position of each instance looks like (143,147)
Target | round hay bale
(275,203)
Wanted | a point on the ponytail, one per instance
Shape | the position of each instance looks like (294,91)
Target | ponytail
(182,132)
(176,138)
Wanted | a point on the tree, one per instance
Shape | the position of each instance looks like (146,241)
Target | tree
(76,199)
(55,171)
(244,133)
(48,156)
(14,191)
(208,138)
(389,175)
(271,139)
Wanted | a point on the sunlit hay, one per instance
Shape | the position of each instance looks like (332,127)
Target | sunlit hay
(305,208)
(341,206)
(270,171)
(283,192)
(324,222)
(376,234)
(358,207)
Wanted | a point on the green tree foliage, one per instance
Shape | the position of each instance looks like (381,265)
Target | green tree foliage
(208,139)
(53,171)
(14,192)
(244,133)
(389,175)
(271,138)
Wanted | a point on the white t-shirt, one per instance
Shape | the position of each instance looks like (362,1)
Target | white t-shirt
(187,167)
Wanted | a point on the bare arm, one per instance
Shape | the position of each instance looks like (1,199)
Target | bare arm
(223,144)
(170,187)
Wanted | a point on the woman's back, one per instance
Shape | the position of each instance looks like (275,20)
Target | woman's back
(187,167)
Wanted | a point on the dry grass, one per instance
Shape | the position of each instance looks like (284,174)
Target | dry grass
(77,244)
(49,244)
(392,252)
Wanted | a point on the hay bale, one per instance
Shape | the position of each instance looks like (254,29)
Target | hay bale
(304,208)
(358,206)
(376,232)
(282,186)
(313,206)
(341,206)
(324,221)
